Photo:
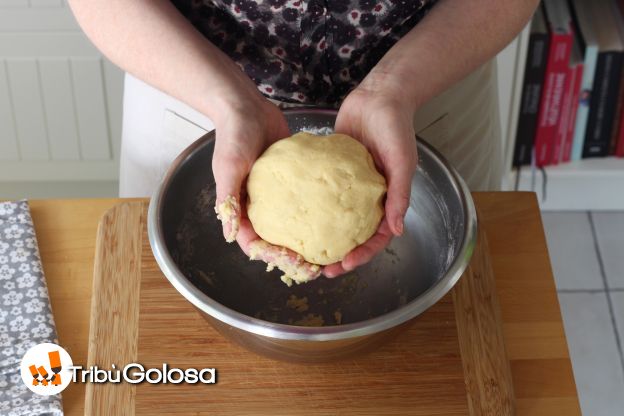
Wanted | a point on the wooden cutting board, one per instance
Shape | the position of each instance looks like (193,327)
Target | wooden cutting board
(450,361)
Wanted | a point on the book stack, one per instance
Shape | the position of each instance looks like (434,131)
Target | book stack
(572,104)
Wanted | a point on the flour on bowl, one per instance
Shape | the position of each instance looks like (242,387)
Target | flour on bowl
(322,131)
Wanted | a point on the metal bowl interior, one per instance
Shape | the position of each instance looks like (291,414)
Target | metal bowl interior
(409,276)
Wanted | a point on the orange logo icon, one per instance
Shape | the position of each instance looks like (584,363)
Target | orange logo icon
(40,375)
(45,369)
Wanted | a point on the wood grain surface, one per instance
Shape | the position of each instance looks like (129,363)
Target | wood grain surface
(66,232)
(533,331)
(418,373)
(487,371)
(114,314)
(409,375)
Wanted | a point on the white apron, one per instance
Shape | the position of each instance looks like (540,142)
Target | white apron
(462,123)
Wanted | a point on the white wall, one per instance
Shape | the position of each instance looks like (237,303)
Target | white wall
(510,65)
(60,101)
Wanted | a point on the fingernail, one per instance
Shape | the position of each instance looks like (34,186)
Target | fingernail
(227,232)
(399,227)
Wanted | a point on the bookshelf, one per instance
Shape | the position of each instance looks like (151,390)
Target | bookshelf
(586,184)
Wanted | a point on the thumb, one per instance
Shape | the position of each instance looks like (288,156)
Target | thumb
(399,176)
(229,169)
(344,123)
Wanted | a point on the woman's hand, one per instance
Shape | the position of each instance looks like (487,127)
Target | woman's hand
(244,131)
(377,115)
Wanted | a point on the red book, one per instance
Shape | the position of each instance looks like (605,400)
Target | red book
(551,102)
(571,101)
(619,151)
(577,78)
(619,145)
(616,136)
(562,124)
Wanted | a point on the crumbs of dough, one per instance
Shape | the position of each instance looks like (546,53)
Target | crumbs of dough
(402,300)
(226,212)
(310,320)
(207,277)
(298,304)
(338,316)
(296,271)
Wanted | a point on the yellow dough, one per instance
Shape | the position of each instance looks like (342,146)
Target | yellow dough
(320,196)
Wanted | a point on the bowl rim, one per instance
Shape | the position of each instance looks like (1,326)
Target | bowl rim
(324,333)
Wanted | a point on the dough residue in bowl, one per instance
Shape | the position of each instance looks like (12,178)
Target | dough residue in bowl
(295,269)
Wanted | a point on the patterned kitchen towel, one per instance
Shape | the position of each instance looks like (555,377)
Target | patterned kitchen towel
(25,313)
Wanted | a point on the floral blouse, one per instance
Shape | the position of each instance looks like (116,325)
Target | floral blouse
(305,51)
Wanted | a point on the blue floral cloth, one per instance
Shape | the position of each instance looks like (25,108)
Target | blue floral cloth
(25,313)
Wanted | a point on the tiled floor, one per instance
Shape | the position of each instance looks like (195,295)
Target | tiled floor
(587,254)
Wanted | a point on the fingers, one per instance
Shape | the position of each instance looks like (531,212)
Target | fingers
(281,129)
(399,171)
(392,146)
(353,115)
(239,142)
(230,170)
(290,263)
(361,254)
(344,124)
(228,211)
(246,235)
(334,270)
(364,253)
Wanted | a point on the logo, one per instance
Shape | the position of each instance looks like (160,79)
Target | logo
(135,373)
(46,369)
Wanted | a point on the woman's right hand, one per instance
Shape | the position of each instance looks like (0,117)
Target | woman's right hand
(243,132)
(246,127)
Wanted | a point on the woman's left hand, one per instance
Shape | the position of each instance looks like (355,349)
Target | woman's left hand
(383,122)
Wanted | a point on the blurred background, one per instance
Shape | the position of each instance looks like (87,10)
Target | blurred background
(61,104)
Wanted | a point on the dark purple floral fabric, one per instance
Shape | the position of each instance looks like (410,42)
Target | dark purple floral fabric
(305,51)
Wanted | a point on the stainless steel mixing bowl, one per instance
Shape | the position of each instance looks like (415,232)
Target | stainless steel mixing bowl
(359,310)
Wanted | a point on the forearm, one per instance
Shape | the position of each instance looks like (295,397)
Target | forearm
(453,39)
(153,41)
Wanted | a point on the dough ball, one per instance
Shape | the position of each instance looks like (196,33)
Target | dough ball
(320,196)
